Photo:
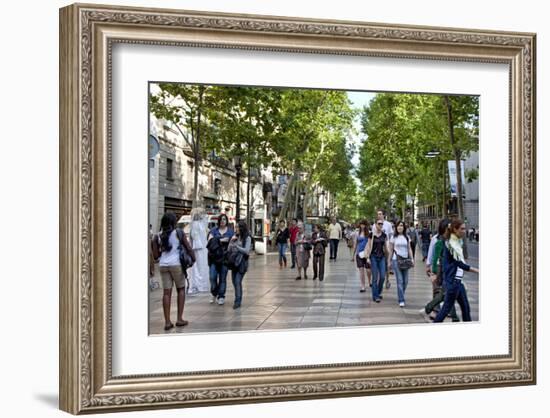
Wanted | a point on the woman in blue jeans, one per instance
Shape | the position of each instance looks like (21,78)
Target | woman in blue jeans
(378,252)
(218,270)
(453,272)
(241,242)
(401,247)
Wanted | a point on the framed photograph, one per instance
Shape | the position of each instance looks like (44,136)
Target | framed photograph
(259,208)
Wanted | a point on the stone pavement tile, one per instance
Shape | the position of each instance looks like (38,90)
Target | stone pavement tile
(323,308)
(317,324)
(292,310)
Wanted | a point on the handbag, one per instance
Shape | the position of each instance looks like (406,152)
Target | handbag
(234,259)
(362,254)
(186,260)
(404,263)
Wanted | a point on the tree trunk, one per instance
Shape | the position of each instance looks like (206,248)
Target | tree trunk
(296,197)
(248,194)
(286,202)
(197,151)
(458,157)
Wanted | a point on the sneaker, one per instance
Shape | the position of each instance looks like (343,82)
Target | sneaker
(362,290)
(212,299)
(402,304)
(221,301)
(236,305)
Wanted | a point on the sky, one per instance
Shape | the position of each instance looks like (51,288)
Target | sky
(359,100)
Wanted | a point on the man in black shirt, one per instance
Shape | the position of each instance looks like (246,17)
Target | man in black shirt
(425,238)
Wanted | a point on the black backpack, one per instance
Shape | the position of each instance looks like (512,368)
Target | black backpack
(215,251)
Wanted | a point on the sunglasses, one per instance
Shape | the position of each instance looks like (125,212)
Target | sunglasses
(380,224)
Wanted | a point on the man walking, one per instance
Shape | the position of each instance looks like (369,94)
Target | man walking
(425,238)
(334,234)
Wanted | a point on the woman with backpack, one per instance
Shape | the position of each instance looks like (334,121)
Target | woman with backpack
(167,246)
(218,241)
(402,259)
(454,266)
(240,243)
(378,252)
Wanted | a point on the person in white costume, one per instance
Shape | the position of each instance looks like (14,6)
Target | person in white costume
(199,281)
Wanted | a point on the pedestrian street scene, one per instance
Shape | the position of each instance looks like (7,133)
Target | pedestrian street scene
(276,301)
(276,208)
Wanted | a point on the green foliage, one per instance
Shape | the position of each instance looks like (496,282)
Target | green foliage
(399,131)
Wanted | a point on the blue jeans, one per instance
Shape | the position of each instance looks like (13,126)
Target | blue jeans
(402,279)
(218,280)
(378,267)
(282,251)
(425,248)
(454,291)
(237,279)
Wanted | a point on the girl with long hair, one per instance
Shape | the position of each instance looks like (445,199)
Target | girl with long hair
(167,247)
(241,242)
(454,266)
(359,250)
(436,274)
(401,247)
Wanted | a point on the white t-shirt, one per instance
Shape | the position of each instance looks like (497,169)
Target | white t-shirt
(431,249)
(172,257)
(401,246)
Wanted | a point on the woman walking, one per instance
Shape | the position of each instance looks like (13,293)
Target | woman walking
(351,238)
(453,272)
(303,247)
(359,249)
(319,241)
(378,252)
(218,241)
(400,248)
(241,242)
(167,246)
(436,274)
(281,239)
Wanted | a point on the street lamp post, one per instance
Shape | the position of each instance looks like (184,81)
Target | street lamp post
(435,154)
(238,166)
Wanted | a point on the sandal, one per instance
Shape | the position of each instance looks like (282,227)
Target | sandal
(182,323)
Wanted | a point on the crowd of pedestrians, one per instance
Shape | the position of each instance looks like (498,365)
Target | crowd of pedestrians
(379,249)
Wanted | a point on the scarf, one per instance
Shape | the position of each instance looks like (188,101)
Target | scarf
(454,245)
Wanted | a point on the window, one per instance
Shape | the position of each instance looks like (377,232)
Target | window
(169,169)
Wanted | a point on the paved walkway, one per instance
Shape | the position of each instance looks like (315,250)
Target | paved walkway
(273,299)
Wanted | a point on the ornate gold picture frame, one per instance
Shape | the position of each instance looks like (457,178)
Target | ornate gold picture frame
(87,35)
